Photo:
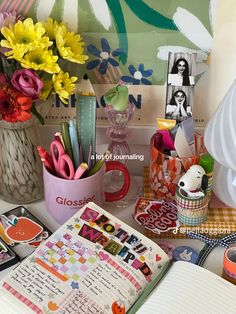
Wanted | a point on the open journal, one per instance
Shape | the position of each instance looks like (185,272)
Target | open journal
(92,264)
(97,264)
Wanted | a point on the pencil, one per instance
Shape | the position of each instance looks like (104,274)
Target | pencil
(86,119)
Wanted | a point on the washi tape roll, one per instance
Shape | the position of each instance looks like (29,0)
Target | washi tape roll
(229,265)
(189,202)
(191,211)
(186,254)
(191,221)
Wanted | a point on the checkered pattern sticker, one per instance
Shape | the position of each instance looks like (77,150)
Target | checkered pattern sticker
(66,258)
(221,221)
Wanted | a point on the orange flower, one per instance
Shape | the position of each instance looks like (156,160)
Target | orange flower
(14,106)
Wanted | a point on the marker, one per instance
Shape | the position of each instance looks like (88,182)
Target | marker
(74,143)
(48,165)
(46,158)
(58,137)
(80,171)
(66,138)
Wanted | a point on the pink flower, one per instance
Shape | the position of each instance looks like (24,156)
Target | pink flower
(27,82)
(7,18)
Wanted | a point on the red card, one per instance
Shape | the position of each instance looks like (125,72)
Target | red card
(157,216)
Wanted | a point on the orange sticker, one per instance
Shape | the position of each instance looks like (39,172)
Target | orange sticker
(23,229)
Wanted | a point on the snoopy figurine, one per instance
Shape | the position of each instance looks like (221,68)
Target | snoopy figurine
(193,182)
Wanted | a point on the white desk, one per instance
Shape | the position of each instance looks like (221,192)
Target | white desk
(213,263)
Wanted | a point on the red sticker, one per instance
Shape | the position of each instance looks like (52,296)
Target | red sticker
(157,216)
(158,258)
(23,229)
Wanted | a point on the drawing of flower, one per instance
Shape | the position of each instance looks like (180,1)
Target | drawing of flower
(74,285)
(138,76)
(105,56)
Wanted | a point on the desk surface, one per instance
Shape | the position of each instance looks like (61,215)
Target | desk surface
(213,263)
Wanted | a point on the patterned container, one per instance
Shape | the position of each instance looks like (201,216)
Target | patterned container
(191,211)
(21,179)
(165,171)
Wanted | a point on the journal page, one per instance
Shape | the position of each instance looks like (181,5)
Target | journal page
(188,288)
(93,264)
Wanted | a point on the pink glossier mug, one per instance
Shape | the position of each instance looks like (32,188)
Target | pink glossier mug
(63,198)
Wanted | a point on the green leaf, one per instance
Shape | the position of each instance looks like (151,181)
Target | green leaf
(149,15)
(37,114)
(116,11)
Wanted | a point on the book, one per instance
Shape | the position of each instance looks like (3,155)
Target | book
(188,288)
(97,264)
(94,263)
(221,219)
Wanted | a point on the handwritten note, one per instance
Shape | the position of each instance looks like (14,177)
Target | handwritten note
(111,286)
(35,282)
(78,302)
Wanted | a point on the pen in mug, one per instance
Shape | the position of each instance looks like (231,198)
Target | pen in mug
(90,155)
(45,155)
(48,165)
(74,143)
(58,137)
(80,152)
(80,171)
(66,137)
(99,164)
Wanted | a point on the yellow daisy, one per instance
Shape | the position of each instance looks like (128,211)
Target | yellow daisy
(46,90)
(40,59)
(51,27)
(23,37)
(64,85)
(70,45)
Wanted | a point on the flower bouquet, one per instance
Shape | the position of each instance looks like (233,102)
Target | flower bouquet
(32,57)
(31,64)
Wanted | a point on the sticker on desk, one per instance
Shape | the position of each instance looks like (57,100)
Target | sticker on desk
(157,216)
(23,232)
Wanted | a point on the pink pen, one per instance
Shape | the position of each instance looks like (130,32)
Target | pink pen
(80,171)
(45,155)
(48,165)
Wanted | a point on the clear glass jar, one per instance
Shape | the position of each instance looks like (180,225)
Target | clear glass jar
(21,179)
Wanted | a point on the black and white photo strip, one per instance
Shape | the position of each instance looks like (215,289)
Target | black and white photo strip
(181,69)
(179,103)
